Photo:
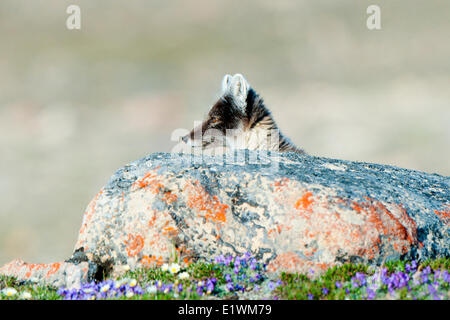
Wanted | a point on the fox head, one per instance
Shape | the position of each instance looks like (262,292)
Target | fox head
(239,120)
(228,114)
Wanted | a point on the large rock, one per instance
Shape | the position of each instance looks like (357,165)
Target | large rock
(294,212)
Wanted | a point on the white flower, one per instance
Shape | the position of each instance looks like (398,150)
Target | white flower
(165,267)
(183,275)
(25,295)
(9,292)
(174,268)
(105,288)
(117,284)
(129,294)
(152,289)
(126,268)
(133,283)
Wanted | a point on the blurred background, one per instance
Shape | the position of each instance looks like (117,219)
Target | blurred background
(75,105)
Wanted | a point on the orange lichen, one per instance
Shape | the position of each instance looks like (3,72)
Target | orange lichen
(400,229)
(151,181)
(285,261)
(31,267)
(88,214)
(54,267)
(170,231)
(280,185)
(151,261)
(169,197)
(305,201)
(34,267)
(278,229)
(443,215)
(291,262)
(135,244)
(209,206)
(152,220)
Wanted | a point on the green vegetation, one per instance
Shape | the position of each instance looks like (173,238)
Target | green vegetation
(244,277)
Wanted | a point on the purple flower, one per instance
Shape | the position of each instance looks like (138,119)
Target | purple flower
(325,291)
(229,286)
(237,261)
(199,290)
(431,289)
(370,294)
(427,270)
(138,290)
(271,285)
(228,259)
(424,277)
(62,291)
(310,296)
(338,284)
(236,270)
(209,286)
(445,276)
(219,259)
(361,277)
(408,268)
(228,277)
(437,274)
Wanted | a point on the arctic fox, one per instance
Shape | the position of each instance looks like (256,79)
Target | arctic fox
(239,120)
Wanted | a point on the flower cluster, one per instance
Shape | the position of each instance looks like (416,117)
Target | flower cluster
(13,293)
(103,290)
(227,275)
(408,283)
(243,273)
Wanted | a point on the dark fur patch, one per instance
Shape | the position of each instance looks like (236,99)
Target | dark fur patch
(224,115)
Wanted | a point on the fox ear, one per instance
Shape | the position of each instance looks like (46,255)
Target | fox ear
(226,82)
(239,89)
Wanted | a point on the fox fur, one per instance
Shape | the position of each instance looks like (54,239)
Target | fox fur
(239,120)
